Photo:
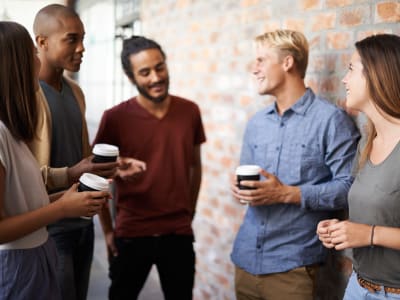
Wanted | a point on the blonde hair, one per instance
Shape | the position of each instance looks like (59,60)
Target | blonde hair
(288,42)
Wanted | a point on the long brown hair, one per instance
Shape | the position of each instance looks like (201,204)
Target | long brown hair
(18,105)
(380,57)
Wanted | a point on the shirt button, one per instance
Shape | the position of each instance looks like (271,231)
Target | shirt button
(282,124)
(258,246)
(277,148)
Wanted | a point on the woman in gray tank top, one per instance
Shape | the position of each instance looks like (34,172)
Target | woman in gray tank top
(373,229)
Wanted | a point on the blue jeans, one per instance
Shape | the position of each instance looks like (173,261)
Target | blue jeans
(75,253)
(173,256)
(356,292)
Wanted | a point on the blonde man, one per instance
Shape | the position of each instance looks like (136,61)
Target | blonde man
(305,147)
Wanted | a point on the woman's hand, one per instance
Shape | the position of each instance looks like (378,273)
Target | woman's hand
(343,234)
(76,204)
(324,234)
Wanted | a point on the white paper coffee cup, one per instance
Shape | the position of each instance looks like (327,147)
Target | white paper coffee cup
(92,182)
(105,153)
(247,172)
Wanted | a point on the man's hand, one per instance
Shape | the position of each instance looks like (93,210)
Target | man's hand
(129,168)
(267,192)
(106,170)
(111,248)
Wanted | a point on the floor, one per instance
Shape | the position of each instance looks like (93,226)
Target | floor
(99,282)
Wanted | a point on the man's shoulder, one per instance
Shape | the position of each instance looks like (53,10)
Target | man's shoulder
(325,112)
(183,101)
(322,105)
(120,107)
(71,82)
(189,107)
(76,89)
(260,114)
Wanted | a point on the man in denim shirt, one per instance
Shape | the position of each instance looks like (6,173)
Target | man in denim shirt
(305,147)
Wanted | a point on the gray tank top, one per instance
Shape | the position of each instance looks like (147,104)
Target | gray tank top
(374,198)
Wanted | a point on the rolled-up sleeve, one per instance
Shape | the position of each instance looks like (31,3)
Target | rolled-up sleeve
(340,141)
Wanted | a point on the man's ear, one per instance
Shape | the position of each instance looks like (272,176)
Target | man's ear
(288,63)
(41,42)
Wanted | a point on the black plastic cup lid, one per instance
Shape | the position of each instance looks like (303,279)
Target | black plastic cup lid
(95,182)
(105,150)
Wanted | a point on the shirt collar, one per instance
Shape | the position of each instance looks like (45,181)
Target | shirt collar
(300,107)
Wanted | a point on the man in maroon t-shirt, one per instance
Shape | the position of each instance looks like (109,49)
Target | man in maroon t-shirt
(153,213)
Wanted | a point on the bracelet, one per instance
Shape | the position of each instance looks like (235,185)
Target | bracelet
(371,244)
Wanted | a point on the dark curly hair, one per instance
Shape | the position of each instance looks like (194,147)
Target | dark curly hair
(133,45)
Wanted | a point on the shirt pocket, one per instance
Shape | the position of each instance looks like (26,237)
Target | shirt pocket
(260,154)
(307,161)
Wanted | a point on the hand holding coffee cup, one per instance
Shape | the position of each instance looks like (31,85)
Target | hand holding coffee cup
(247,172)
(75,204)
(92,182)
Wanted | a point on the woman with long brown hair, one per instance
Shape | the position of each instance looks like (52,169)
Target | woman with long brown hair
(27,256)
(373,229)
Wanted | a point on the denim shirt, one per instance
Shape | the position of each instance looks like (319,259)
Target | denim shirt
(312,146)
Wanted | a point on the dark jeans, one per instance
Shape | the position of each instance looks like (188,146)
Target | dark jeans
(173,256)
(75,252)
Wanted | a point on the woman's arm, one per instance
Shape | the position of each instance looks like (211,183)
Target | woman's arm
(71,204)
(346,234)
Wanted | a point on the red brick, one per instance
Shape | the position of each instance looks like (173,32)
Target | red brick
(310,4)
(323,62)
(247,3)
(230,210)
(388,11)
(270,26)
(226,162)
(339,40)
(207,212)
(323,21)
(315,42)
(312,82)
(329,85)
(295,24)
(222,280)
(363,34)
(337,3)
(180,4)
(355,16)
(345,60)
(245,100)
(218,144)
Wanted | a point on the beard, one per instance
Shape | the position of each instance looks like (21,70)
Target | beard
(143,91)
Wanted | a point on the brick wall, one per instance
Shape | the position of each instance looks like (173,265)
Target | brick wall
(209,49)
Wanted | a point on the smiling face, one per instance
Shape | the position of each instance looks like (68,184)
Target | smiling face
(268,70)
(63,47)
(150,74)
(356,85)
